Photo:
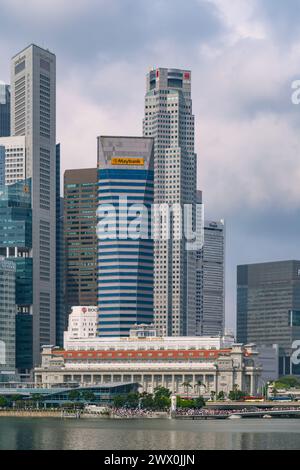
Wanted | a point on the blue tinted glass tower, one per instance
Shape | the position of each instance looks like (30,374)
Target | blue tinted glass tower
(125,263)
(16,246)
(4,110)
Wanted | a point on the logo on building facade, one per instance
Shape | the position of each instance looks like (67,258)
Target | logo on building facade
(128,161)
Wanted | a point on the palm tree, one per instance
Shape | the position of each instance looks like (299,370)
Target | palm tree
(187,386)
(37,398)
(198,385)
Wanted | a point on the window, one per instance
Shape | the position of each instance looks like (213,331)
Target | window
(19,67)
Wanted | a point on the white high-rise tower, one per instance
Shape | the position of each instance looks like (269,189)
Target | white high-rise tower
(33,115)
(169,120)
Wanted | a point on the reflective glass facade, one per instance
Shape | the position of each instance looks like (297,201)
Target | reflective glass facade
(4,110)
(16,216)
(268,305)
(7,316)
(16,245)
(125,265)
(80,206)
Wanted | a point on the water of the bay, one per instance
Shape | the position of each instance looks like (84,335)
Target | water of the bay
(147,434)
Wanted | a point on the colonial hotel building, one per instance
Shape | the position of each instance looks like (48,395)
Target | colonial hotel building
(153,361)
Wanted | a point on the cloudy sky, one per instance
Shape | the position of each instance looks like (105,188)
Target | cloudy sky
(244,55)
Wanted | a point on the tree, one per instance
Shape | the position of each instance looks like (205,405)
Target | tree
(3,402)
(132,400)
(37,398)
(162,392)
(198,385)
(119,401)
(88,396)
(183,403)
(187,386)
(236,395)
(74,395)
(147,401)
(287,383)
(17,401)
(199,402)
(221,396)
(161,402)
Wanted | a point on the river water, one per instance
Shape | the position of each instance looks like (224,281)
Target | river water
(147,434)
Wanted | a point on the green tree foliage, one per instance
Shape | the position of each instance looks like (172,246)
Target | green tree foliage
(132,400)
(119,401)
(221,396)
(187,386)
(287,383)
(74,395)
(3,402)
(198,403)
(162,392)
(88,396)
(147,401)
(236,395)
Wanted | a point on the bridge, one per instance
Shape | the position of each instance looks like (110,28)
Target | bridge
(286,413)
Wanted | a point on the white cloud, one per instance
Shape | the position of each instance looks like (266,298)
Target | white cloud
(250,164)
(46,9)
(239,15)
(81,118)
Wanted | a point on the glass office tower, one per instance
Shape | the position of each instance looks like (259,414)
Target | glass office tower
(16,246)
(125,261)
(4,110)
(211,281)
(80,239)
(7,319)
(268,308)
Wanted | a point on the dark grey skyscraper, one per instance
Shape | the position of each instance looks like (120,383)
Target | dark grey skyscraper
(33,118)
(268,308)
(60,277)
(211,281)
(4,110)
(80,239)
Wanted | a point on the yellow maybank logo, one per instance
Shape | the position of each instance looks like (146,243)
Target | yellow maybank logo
(128,161)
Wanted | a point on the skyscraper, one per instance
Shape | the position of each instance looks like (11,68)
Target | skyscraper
(14,159)
(211,281)
(16,246)
(4,110)
(125,259)
(80,240)
(60,255)
(7,319)
(33,115)
(169,120)
(268,308)
(2,165)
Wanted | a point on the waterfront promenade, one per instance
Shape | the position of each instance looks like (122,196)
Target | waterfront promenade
(207,413)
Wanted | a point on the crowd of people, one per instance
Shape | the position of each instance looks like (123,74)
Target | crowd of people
(131,413)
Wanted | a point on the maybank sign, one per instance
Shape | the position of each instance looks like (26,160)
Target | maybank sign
(128,161)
